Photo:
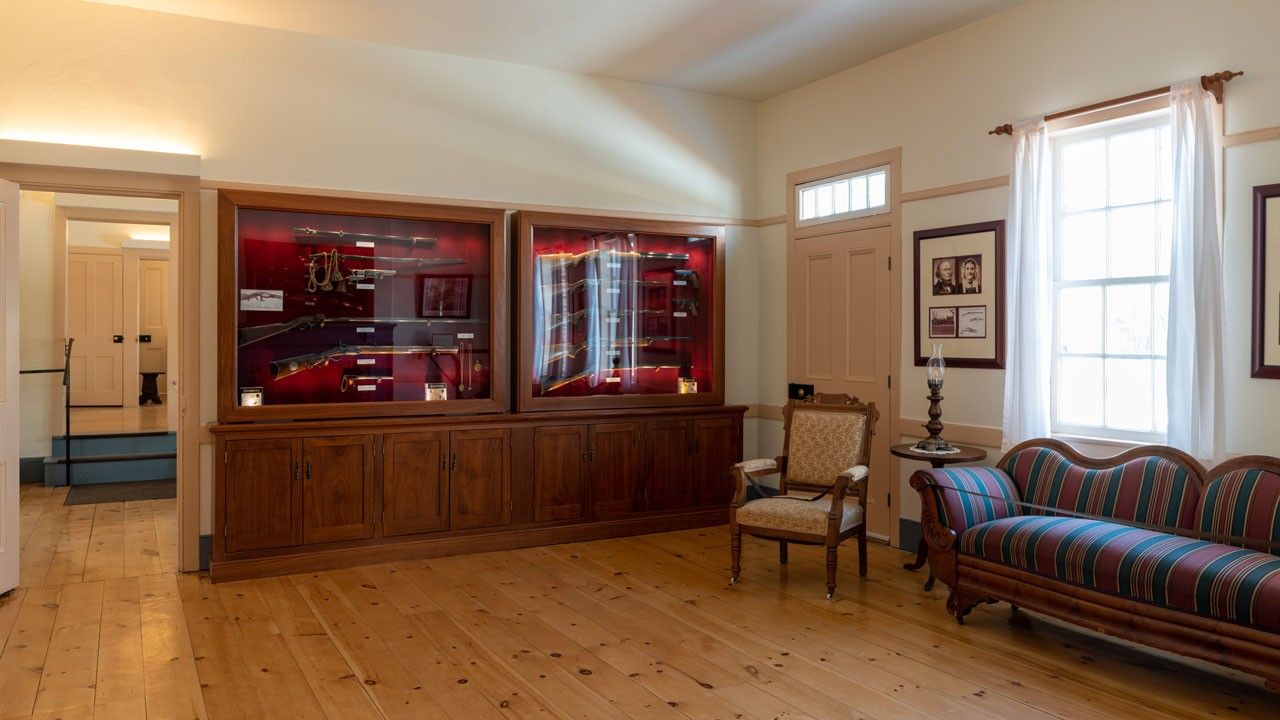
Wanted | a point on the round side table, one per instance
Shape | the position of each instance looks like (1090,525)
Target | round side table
(966,455)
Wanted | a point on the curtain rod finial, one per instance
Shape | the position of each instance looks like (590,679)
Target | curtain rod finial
(1006,129)
(1215,82)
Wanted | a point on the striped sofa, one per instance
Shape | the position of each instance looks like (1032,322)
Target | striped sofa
(1145,545)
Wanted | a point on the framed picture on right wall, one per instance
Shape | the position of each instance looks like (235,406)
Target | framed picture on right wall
(959,294)
(1266,281)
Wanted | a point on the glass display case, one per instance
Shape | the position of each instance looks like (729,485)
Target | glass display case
(619,313)
(338,308)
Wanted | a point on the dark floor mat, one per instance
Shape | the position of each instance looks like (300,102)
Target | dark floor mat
(121,492)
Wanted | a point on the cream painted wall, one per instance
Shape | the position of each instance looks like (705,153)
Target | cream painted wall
(937,99)
(84,233)
(280,108)
(40,396)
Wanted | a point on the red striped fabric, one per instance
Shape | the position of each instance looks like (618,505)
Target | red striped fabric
(1206,578)
(1243,504)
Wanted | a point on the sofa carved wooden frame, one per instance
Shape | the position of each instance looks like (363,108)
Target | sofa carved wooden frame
(974,581)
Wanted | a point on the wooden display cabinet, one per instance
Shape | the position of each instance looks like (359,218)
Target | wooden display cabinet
(341,308)
(617,312)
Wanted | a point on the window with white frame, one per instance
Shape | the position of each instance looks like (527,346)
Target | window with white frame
(851,195)
(1112,205)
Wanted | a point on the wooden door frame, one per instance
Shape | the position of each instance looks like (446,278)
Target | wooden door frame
(185,251)
(130,258)
(893,221)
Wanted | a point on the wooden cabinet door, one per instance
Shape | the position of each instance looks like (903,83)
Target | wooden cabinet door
(559,477)
(337,488)
(715,450)
(415,483)
(479,478)
(668,477)
(262,495)
(614,469)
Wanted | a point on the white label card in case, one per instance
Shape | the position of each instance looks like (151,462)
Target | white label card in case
(466,336)
(365,361)
(679,314)
(364,329)
(364,243)
(614,265)
(609,380)
(679,282)
(613,291)
(364,286)
(366,388)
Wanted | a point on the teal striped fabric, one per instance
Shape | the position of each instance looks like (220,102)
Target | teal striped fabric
(1205,578)
(1243,504)
(1150,490)
(968,496)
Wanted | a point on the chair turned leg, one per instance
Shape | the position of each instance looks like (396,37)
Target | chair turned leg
(782,552)
(862,554)
(735,547)
(831,572)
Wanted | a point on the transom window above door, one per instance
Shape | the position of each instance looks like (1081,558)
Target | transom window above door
(850,195)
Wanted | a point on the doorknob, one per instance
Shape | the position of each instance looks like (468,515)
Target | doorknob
(117,339)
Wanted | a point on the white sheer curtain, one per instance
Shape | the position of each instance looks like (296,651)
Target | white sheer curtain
(1195,388)
(1029,286)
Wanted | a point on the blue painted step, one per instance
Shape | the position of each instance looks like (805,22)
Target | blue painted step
(106,458)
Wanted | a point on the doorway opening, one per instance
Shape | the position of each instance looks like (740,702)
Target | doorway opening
(98,443)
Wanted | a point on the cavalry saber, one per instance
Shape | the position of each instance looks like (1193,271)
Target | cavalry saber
(418,262)
(283,368)
(413,240)
(258,333)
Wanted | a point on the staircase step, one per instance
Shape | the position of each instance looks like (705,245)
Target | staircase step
(129,457)
(116,444)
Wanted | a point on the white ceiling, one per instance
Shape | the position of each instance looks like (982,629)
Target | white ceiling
(751,49)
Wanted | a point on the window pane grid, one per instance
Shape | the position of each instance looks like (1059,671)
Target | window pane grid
(1111,210)
(846,196)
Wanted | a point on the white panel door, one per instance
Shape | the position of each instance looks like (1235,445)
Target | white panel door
(153,316)
(9,549)
(839,303)
(95,319)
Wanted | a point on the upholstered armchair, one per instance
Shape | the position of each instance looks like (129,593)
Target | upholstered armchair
(822,483)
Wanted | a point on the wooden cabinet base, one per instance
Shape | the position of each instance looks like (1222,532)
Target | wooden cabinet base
(313,495)
(461,544)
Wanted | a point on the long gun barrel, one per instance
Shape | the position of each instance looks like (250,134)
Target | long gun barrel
(285,367)
(342,235)
(416,262)
(257,333)
(551,385)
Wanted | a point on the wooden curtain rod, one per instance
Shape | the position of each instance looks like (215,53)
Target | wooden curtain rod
(1211,83)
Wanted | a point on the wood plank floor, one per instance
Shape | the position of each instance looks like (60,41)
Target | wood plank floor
(642,627)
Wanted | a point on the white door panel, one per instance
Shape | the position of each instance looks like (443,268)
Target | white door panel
(95,316)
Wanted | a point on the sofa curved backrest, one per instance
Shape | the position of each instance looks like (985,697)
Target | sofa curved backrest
(1243,501)
(1152,485)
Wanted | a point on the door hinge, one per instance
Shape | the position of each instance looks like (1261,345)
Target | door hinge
(226,456)
(888,500)
(890,263)
(225,532)
(890,381)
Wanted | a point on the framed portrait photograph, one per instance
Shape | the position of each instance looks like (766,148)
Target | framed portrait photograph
(446,296)
(942,322)
(1266,282)
(968,261)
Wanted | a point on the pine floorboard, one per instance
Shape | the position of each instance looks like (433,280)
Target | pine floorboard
(634,628)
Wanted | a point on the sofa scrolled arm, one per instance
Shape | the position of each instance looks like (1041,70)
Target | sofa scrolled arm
(962,497)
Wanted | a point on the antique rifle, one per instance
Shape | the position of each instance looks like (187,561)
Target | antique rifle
(569,260)
(416,262)
(568,350)
(283,368)
(549,385)
(257,333)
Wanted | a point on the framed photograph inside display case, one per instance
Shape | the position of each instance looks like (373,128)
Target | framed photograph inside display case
(959,294)
(1266,281)
(337,307)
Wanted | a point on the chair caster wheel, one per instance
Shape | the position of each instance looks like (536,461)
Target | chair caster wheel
(830,595)
(733,581)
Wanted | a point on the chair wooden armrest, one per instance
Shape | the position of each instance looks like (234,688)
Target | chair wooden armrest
(760,467)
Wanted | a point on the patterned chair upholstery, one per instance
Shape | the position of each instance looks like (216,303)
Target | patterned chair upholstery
(823,473)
